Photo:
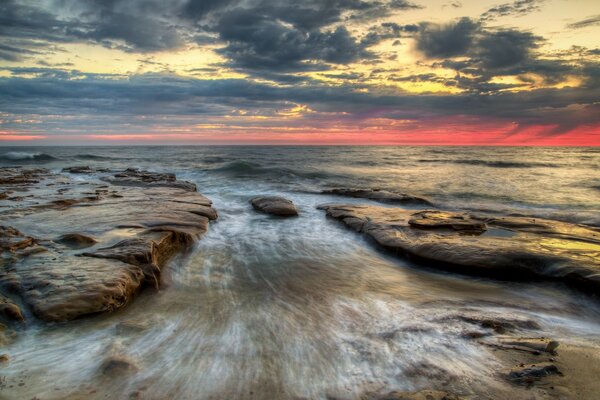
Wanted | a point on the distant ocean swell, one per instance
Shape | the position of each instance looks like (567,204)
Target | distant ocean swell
(40,157)
(493,164)
(245,168)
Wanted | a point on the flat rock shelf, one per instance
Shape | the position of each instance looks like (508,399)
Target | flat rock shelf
(110,235)
(504,247)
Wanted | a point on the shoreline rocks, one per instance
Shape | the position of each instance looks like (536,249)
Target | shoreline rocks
(380,195)
(502,247)
(274,205)
(162,215)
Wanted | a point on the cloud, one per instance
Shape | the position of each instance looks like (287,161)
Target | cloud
(488,51)
(505,48)
(449,40)
(387,30)
(122,102)
(516,8)
(590,21)
(255,41)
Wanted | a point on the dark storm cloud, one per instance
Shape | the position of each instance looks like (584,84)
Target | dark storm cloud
(504,48)
(590,21)
(489,51)
(516,8)
(256,41)
(198,9)
(280,34)
(453,39)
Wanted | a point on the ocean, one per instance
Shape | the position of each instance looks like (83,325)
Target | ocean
(305,308)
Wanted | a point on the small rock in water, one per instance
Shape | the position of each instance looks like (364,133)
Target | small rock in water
(9,310)
(118,365)
(538,345)
(274,205)
(528,374)
(76,240)
(80,169)
(4,358)
(383,196)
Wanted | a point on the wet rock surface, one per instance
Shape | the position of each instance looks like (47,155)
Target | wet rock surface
(76,240)
(527,374)
(506,247)
(9,310)
(136,177)
(274,205)
(380,195)
(420,395)
(128,229)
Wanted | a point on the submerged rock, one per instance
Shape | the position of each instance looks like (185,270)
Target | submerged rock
(532,345)
(161,219)
(76,240)
(527,374)
(383,196)
(10,310)
(274,205)
(80,169)
(499,323)
(115,366)
(507,247)
(17,176)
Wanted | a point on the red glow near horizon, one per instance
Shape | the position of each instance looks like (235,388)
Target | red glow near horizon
(449,131)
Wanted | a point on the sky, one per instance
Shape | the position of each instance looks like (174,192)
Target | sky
(523,72)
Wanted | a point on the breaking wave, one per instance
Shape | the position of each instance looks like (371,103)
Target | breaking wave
(22,156)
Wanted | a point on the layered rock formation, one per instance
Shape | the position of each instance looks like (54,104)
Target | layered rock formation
(90,247)
(507,247)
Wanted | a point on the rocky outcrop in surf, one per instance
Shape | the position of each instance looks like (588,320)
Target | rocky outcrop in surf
(506,247)
(274,205)
(139,222)
(380,195)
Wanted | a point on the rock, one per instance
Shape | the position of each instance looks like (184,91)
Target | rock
(504,247)
(16,176)
(420,395)
(441,220)
(81,169)
(10,310)
(4,358)
(11,240)
(499,323)
(528,374)
(6,335)
(76,240)
(132,326)
(117,365)
(136,177)
(62,285)
(532,345)
(274,205)
(3,195)
(383,196)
